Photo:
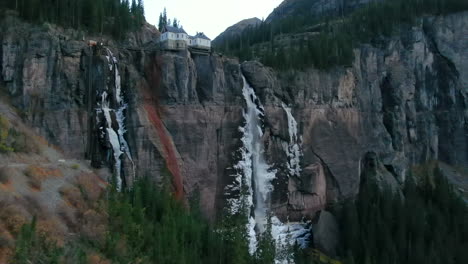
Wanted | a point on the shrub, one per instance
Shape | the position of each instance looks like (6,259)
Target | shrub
(11,218)
(90,191)
(34,177)
(4,134)
(12,140)
(72,197)
(21,142)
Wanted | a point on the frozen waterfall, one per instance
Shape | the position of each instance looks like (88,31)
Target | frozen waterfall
(292,148)
(253,180)
(112,107)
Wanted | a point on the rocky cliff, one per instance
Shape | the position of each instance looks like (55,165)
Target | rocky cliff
(399,104)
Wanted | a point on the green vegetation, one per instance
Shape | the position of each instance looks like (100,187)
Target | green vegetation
(11,140)
(157,229)
(5,147)
(164,21)
(114,17)
(329,41)
(31,246)
(147,225)
(427,223)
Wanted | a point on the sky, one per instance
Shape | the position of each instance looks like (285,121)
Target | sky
(209,16)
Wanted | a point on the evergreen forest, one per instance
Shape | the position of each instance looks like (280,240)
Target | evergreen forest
(147,225)
(114,17)
(425,223)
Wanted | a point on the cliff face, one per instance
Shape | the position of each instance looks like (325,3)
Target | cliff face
(400,104)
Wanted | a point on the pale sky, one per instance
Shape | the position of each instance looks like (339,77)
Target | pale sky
(209,16)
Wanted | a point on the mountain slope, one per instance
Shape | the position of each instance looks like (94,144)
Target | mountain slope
(236,29)
(315,8)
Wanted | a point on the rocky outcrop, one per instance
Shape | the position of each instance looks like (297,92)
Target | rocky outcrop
(399,104)
(326,233)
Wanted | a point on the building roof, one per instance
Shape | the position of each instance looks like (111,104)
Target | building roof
(173,30)
(202,36)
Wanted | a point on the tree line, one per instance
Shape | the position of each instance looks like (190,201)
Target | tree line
(329,41)
(165,21)
(116,17)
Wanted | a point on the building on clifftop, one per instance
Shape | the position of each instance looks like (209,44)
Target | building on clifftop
(200,41)
(173,38)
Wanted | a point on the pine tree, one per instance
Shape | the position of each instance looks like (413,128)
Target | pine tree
(175,23)
(163,20)
(266,248)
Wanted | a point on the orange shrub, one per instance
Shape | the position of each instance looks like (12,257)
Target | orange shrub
(37,174)
(11,218)
(51,231)
(87,182)
(73,197)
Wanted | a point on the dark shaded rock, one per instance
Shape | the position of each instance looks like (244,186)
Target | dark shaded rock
(326,233)
(264,81)
(373,169)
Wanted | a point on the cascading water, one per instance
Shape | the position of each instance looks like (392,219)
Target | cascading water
(253,180)
(114,128)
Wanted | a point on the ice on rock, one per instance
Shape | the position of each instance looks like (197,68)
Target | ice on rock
(255,175)
(292,148)
(115,132)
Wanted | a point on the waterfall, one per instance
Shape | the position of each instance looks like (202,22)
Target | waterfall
(254,176)
(292,148)
(114,118)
